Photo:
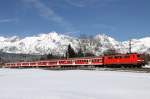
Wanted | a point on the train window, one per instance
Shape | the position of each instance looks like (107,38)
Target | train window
(32,63)
(61,62)
(116,57)
(78,60)
(126,56)
(69,61)
(120,57)
(110,57)
(99,60)
(94,60)
(83,60)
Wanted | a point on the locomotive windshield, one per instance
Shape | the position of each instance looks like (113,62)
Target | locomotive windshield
(140,56)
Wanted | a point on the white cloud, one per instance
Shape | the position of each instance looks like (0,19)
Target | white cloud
(77,3)
(7,20)
(48,13)
(85,3)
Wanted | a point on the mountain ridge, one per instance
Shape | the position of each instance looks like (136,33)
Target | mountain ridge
(57,44)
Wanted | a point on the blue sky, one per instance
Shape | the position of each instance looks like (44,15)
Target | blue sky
(121,19)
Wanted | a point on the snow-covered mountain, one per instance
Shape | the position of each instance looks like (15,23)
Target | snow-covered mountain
(57,44)
(41,44)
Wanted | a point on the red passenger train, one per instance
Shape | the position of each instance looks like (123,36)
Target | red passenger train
(117,60)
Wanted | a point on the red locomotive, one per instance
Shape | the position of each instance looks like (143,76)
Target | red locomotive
(127,60)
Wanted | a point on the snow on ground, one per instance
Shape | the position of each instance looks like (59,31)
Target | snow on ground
(73,84)
(147,66)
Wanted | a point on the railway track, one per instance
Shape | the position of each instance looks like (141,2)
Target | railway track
(141,70)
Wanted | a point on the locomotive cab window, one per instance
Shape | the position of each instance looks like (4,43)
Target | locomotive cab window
(140,56)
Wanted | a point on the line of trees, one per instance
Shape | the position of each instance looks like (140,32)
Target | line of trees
(70,53)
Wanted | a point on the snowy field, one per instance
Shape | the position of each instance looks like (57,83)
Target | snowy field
(73,84)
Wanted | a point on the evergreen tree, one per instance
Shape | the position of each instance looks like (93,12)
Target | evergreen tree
(42,58)
(80,53)
(71,53)
(50,56)
(66,54)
